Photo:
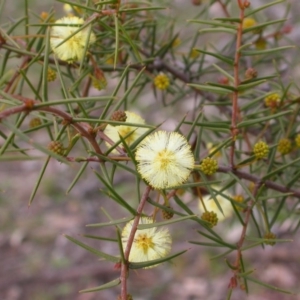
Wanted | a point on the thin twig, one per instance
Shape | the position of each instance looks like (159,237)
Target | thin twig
(124,266)
(83,128)
(268,183)
(235,112)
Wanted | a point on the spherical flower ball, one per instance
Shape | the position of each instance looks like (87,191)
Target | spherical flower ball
(239,199)
(270,237)
(260,44)
(129,133)
(161,81)
(70,49)
(248,22)
(272,100)
(148,244)
(261,150)
(164,159)
(284,146)
(211,205)
(209,166)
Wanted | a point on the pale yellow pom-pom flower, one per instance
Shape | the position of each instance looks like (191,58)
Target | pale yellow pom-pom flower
(211,205)
(70,49)
(148,244)
(165,159)
(131,133)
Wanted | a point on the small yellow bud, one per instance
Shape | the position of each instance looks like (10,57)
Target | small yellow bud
(239,199)
(284,146)
(270,236)
(261,150)
(99,84)
(248,22)
(210,217)
(56,147)
(194,53)
(35,122)
(99,81)
(260,44)
(109,60)
(166,214)
(176,42)
(297,140)
(51,75)
(251,187)
(162,81)
(209,166)
(272,101)
(44,15)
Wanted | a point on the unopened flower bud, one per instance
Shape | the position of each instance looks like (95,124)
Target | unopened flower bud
(250,73)
(270,236)
(210,217)
(166,214)
(284,146)
(56,147)
(261,150)
(119,115)
(209,166)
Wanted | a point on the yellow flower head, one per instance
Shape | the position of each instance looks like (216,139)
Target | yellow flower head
(194,53)
(261,150)
(44,16)
(70,49)
(261,44)
(162,81)
(297,140)
(130,133)
(164,159)
(209,166)
(239,199)
(248,22)
(211,205)
(272,100)
(270,237)
(284,146)
(148,244)
(51,75)
(176,42)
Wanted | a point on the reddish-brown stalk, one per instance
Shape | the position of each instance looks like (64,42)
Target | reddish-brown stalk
(124,266)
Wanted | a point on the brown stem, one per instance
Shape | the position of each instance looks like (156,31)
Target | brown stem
(224,8)
(83,128)
(240,243)
(235,112)
(26,59)
(124,266)
(268,183)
